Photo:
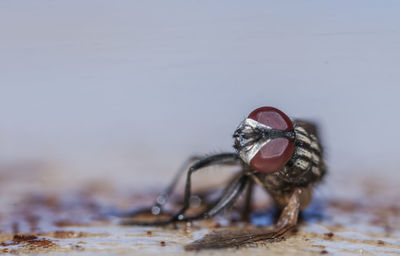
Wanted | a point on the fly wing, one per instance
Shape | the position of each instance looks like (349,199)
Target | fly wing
(236,238)
(240,237)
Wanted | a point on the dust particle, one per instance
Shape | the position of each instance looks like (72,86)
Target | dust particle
(77,247)
(328,235)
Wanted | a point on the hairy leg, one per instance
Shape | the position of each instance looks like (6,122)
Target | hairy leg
(223,158)
(248,199)
(228,197)
(163,197)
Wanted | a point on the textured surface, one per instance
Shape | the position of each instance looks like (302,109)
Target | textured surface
(100,101)
(357,218)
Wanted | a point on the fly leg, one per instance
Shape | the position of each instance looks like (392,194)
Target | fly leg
(224,158)
(163,197)
(229,196)
(240,237)
(247,201)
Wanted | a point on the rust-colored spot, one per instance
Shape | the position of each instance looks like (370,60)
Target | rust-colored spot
(217,225)
(328,235)
(64,234)
(346,206)
(43,242)
(20,238)
(162,243)
(380,242)
(31,241)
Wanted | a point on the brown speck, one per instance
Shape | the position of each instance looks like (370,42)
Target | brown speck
(328,235)
(30,241)
(346,206)
(4,250)
(162,243)
(44,243)
(64,234)
(217,225)
(20,238)
(77,247)
(67,223)
(149,233)
(380,242)
(324,252)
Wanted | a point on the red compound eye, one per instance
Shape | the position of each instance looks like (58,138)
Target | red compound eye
(276,153)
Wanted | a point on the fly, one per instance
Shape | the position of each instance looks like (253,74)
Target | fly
(282,156)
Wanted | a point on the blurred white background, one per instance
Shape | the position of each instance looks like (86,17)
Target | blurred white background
(128,89)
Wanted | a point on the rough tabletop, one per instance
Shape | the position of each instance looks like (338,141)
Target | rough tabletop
(360,217)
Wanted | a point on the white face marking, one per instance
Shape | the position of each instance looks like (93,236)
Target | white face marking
(249,151)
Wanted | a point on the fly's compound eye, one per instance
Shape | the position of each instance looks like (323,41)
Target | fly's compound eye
(265,140)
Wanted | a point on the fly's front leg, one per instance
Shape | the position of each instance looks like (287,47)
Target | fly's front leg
(240,237)
(163,197)
(223,158)
(228,197)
